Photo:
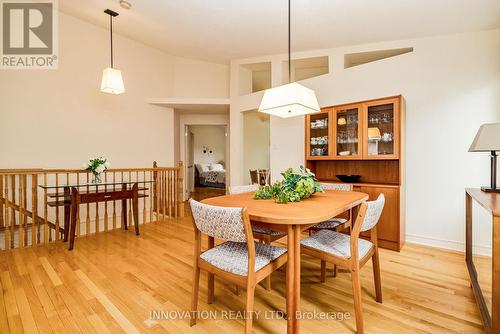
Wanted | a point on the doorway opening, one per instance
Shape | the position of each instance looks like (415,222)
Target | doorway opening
(206,160)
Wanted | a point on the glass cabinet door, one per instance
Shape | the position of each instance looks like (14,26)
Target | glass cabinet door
(381,139)
(319,134)
(347,124)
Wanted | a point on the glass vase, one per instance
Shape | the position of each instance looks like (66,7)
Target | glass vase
(96,178)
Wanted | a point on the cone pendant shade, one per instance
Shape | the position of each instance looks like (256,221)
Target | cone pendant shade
(289,100)
(112,81)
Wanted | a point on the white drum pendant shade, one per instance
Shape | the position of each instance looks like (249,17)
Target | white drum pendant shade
(112,81)
(289,100)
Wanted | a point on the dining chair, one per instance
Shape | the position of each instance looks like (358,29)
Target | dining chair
(352,252)
(265,235)
(254,176)
(335,223)
(238,260)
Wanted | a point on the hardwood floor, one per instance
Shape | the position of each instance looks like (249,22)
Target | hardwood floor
(200,193)
(112,281)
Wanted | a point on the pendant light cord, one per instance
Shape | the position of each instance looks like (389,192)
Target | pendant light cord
(111,34)
(289,47)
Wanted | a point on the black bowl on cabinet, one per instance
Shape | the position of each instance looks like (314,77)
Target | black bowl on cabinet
(348,178)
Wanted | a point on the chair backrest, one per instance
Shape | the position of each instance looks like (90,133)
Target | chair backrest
(336,186)
(373,212)
(254,176)
(219,222)
(243,189)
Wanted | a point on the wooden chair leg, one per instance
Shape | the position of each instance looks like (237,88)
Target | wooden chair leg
(211,288)
(194,296)
(267,280)
(335,270)
(323,271)
(376,276)
(358,306)
(249,308)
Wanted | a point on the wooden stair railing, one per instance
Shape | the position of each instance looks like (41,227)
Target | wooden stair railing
(30,215)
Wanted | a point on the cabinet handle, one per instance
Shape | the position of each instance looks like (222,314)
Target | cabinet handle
(107,196)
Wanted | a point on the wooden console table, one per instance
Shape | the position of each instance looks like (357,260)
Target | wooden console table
(491,202)
(73,197)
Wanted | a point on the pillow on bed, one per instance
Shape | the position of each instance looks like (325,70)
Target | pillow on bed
(216,167)
(203,168)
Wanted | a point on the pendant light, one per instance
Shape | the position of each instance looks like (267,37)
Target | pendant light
(291,99)
(112,81)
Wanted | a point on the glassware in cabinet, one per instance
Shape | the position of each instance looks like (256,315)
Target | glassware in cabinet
(319,134)
(347,123)
(381,131)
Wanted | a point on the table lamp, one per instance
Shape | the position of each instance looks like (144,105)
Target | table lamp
(488,140)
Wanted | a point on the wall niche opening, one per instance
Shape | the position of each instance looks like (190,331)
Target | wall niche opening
(305,68)
(255,77)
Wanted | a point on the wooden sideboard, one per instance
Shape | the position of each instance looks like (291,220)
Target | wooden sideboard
(485,283)
(364,138)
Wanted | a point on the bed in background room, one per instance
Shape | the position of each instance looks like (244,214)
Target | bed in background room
(210,175)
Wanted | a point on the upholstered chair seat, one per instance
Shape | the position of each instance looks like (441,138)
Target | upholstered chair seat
(232,257)
(337,244)
(331,223)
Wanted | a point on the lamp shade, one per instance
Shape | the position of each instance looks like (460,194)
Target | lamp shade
(289,100)
(487,138)
(112,81)
(374,134)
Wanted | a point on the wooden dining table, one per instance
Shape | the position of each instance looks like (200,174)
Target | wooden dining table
(292,218)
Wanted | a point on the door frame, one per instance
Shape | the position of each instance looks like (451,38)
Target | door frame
(193,119)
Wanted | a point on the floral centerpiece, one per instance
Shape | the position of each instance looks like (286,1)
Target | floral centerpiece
(96,166)
(295,186)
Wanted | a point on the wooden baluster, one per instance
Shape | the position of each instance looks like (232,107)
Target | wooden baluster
(155,187)
(7,221)
(122,217)
(105,203)
(97,213)
(34,209)
(169,193)
(2,221)
(114,202)
(45,212)
(164,190)
(151,186)
(57,206)
(158,194)
(21,236)
(78,222)
(13,221)
(174,186)
(144,208)
(25,204)
(130,221)
(87,219)
(180,190)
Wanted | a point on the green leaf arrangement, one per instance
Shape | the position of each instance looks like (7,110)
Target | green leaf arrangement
(295,186)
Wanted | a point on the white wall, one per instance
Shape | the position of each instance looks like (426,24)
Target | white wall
(59,118)
(451,85)
(211,136)
(256,143)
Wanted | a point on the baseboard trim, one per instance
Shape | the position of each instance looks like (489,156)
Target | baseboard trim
(446,244)
(435,242)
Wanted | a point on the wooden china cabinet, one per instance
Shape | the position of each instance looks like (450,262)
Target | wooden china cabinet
(363,138)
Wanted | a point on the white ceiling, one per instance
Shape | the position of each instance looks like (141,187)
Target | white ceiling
(220,30)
